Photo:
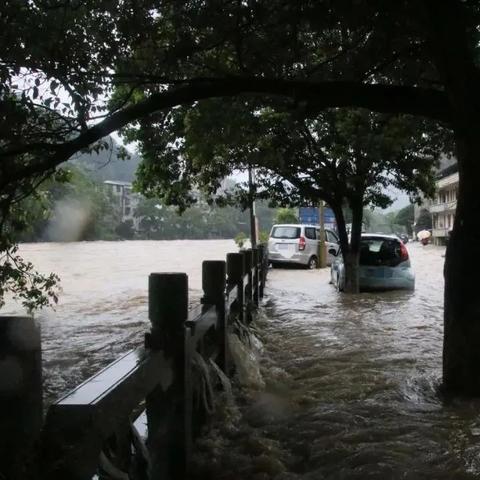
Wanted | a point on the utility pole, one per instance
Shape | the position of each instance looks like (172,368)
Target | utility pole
(322,249)
(251,197)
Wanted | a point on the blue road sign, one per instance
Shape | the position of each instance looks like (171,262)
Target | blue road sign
(311,215)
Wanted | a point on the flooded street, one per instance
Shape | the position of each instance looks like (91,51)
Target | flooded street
(350,383)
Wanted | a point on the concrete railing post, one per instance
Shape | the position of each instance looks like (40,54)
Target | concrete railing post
(248,298)
(20,394)
(214,287)
(168,412)
(235,276)
(255,277)
(261,266)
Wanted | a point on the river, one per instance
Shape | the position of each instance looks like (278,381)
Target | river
(351,382)
(103,311)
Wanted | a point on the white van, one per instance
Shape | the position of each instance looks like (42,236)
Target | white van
(298,244)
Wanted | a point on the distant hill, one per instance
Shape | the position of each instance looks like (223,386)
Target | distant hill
(106,165)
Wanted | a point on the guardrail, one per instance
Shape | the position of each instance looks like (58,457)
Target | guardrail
(138,417)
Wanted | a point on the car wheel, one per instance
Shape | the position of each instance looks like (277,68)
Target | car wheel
(312,263)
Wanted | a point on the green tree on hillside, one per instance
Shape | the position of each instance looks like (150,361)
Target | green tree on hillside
(201,221)
(424,221)
(405,217)
(70,207)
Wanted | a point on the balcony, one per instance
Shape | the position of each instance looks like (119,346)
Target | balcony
(447,181)
(440,232)
(443,207)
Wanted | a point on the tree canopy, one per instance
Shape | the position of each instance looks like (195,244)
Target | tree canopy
(345,157)
(410,57)
(116,63)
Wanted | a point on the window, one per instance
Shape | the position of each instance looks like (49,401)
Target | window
(310,233)
(127,211)
(331,237)
(286,232)
(380,251)
(117,188)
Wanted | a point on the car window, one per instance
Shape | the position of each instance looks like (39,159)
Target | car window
(380,252)
(285,232)
(310,233)
(331,237)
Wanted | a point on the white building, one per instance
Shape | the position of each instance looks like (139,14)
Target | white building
(126,200)
(444,205)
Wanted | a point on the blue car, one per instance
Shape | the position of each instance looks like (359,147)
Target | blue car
(384,265)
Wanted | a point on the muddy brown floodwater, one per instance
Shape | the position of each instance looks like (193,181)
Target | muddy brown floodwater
(350,382)
(102,311)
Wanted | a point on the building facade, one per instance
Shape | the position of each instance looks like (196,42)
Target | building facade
(125,199)
(444,206)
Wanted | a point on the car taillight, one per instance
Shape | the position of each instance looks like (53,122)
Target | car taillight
(403,252)
(301,243)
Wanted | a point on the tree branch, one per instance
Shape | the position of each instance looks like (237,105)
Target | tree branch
(310,96)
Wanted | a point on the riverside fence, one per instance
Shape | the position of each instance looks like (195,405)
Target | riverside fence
(138,417)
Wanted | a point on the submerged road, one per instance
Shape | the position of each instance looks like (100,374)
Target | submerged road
(352,385)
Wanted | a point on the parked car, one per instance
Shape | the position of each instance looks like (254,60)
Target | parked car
(384,264)
(298,244)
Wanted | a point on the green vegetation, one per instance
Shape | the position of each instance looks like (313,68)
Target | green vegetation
(200,221)
(76,207)
(424,220)
(240,239)
(286,215)
(405,218)
(345,157)
(19,279)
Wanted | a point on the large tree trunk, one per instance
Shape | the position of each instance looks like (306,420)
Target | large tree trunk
(446,23)
(461,353)
(350,250)
(351,260)
(352,277)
